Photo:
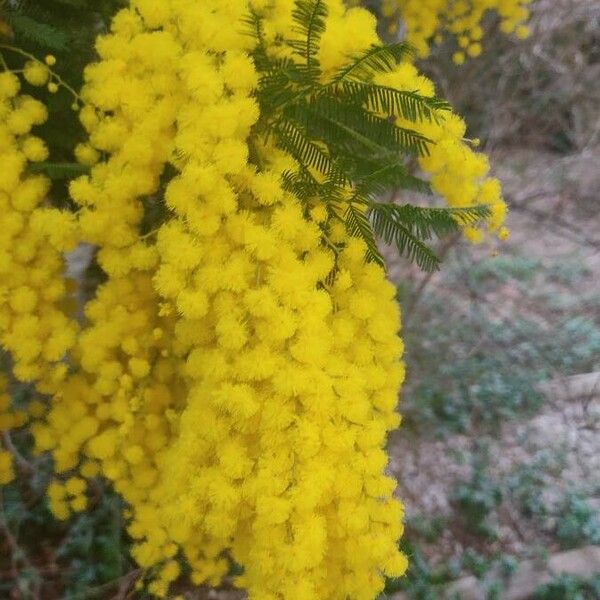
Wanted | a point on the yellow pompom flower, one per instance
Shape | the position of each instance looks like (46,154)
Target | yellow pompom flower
(7,473)
(86,155)
(431,20)
(33,324)
(36,73)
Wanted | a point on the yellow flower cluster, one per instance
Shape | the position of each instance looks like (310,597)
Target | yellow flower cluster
(67,498)
(33,324)
(277,395)
(35,73)
(38,73)
(117,409)
(7,473)
(9,419)
(458,174)
(234,395)
(427,20)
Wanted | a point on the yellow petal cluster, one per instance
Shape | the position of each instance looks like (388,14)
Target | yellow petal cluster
(276,395)
(33,324)
(233,393)
(64,499)
(458,174)
(116,407)
(7,473)
(427,20)
(36,73)
(9,419)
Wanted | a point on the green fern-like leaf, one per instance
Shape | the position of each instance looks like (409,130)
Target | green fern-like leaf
(59,170)
(349,126)
(295,183)
(309,17)
(358,225)
(377,59)
(282,83)
(254,24)
(306,152)
(345,140)
(428,222)
(305,186)
(391,176)
(410,105)
(406,242)
(41,34)
(407,227)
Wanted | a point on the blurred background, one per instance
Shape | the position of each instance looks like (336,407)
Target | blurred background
(498,458)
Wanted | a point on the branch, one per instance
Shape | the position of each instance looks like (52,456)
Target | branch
(23,464)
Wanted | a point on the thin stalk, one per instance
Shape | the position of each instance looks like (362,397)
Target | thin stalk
(53,73)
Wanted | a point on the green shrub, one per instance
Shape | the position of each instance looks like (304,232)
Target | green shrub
(478,497)
(567,587)
(578,523)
